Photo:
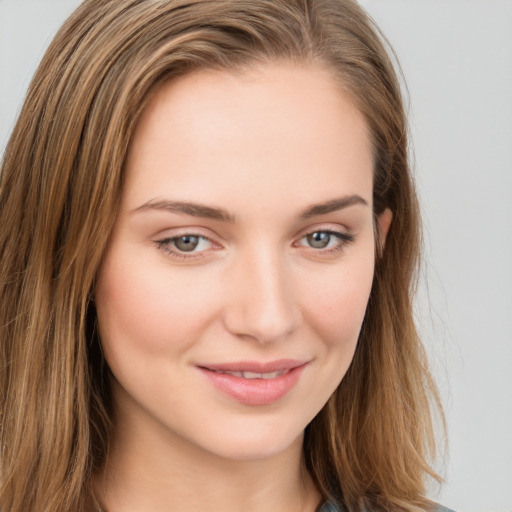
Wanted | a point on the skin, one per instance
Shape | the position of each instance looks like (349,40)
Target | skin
(264,145)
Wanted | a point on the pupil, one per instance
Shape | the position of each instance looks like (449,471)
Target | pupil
(319,240)
(186,243)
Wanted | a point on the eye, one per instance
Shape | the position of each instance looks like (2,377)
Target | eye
(319,239)
(187,243)
(185,246)
(326,240)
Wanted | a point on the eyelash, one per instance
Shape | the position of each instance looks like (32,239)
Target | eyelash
(167,245)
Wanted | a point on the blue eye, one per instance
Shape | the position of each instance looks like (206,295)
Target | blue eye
(319,239)
(185,244)
(326,240)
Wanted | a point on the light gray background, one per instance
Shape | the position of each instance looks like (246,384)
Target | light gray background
(457,58)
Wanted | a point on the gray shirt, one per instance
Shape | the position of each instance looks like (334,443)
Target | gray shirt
(329,507)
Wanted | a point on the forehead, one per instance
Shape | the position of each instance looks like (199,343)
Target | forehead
(279,126)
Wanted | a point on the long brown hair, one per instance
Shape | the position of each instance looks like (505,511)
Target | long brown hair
(61,181)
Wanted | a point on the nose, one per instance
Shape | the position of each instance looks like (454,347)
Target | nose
(262,303)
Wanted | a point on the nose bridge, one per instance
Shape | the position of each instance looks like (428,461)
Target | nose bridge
(263,303)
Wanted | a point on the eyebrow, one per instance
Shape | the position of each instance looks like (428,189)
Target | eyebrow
(209,212)
(193,209)
(332,206)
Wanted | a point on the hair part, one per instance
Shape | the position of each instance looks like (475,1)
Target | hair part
(61,183)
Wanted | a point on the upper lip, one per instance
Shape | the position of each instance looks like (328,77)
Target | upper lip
(255,366)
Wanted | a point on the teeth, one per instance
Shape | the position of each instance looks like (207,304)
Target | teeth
(252,375)
(235,374)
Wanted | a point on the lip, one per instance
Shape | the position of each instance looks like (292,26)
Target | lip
(254,391)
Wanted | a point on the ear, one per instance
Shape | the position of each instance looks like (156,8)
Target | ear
(383,223)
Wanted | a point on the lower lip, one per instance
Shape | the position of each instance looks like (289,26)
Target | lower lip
(254,391)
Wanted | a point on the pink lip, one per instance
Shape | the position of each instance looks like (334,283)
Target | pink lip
(254,391)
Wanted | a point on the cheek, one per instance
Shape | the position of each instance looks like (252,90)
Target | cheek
(335,309)
(142,310)
(334,313)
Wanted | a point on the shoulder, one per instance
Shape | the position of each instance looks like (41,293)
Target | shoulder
(329,507)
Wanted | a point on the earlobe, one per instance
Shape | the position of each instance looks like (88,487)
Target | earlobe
(383,224)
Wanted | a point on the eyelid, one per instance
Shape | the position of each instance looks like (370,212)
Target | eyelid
(326,227)
(340,234)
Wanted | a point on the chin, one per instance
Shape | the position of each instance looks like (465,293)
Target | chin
(250,444)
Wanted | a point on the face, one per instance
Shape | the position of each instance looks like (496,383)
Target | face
(232,292)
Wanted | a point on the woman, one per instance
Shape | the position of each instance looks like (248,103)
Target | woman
(208,250)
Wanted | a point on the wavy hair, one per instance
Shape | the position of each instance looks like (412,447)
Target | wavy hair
(61,182)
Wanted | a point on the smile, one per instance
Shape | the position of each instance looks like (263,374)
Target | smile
(253,375)
(253,383)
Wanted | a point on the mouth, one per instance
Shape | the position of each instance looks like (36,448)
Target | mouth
(254,375)
(254,383)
